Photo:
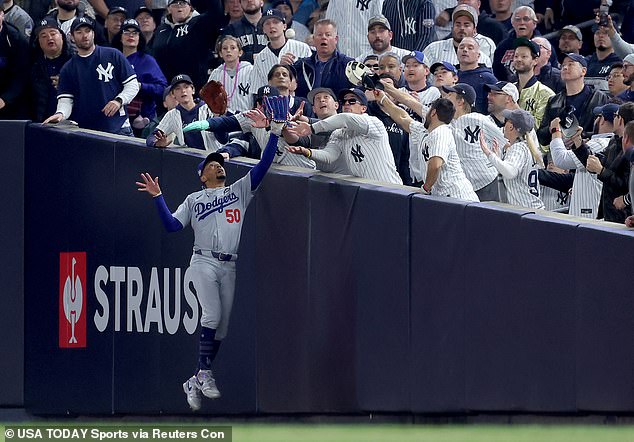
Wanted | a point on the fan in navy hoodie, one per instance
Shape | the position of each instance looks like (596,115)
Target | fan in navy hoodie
(474,74)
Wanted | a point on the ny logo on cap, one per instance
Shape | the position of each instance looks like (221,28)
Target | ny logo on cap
(83,20)
(43,23)
(179,77)
(269,12)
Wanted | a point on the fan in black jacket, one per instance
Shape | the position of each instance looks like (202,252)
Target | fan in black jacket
(13,65)
(50,51)
(182,44)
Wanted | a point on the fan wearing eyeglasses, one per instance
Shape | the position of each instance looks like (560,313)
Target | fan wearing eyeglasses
(152,82)
(524,25)
(361,139)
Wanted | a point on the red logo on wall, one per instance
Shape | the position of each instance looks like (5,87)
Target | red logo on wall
(72,300)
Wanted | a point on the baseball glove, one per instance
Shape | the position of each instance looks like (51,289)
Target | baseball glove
(214,94)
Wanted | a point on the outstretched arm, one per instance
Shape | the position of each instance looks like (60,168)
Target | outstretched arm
(152,187)
(397,114)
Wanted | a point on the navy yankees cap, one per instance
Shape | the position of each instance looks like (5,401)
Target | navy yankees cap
(82,21)
(130,23)
(180,78)
(443,64)
(357,92)
(578,58)
(214,156)
(607,111)
(265,91)
(276,3)
(46,23)
(141,10)
(464,90)
(272,13)
(118,10)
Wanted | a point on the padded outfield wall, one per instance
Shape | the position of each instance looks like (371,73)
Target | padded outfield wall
(351,297)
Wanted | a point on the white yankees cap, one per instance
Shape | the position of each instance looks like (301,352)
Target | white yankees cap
(506,87)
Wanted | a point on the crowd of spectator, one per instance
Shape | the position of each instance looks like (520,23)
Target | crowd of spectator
(134,67)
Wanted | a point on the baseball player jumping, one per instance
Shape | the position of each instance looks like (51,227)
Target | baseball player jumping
(216,215)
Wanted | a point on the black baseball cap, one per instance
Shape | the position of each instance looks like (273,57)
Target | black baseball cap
(607,111)
(82,21)
(118,10)
(130,23)
(214,156)
(464,90)
(357,92)
(267,91)
(180,78)
(276,3)
(523,41)
(46,23)
(141,10)
(272,13)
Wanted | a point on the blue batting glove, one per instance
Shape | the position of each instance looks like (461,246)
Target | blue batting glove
(196,125)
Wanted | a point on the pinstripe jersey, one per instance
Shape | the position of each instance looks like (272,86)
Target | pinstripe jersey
(172,123)
(426,97)
(467,129)
(554,199)
(444,50)
(266,59)
(282,156)
(586,187)
(412,22)
(239,86)
(451,180)
(522,188)
(351,17)
(363,142)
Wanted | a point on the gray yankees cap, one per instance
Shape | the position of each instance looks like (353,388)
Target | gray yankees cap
(521,119)
(312,93)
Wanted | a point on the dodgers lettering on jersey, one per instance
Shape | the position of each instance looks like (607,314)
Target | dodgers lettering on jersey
(216,215)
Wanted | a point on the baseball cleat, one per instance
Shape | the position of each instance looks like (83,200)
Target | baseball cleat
(207,384)
(194,398)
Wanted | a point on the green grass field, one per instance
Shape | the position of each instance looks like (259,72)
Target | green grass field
(407,432)
(434,433)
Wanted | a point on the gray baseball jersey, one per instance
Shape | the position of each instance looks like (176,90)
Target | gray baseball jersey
(519,172)
(172,123)
(467,131)
(216,215)
(266,59)
(239,86)
(451,180)
(363,142)
(586,187)
(351,17)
